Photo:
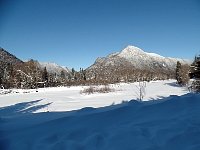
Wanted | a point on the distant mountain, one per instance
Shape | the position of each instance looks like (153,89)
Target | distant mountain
(133,58)
(14,73)
(139,59)
(54,68)
(7,57)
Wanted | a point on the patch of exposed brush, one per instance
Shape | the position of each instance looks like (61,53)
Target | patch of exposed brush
(97,89)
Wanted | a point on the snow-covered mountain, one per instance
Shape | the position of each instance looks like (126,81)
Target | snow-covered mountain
(136,57)
(54,68)
(133,64)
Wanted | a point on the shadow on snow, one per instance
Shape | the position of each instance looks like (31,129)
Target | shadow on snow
(22,108)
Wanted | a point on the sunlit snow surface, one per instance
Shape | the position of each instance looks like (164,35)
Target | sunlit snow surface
(70,98)
(164,123)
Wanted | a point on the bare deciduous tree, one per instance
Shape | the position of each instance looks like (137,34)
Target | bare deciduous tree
(141,90)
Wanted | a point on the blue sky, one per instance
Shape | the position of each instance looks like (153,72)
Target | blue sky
(74,33)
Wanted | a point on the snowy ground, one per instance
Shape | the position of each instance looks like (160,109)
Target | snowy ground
(165,123)
(69,98)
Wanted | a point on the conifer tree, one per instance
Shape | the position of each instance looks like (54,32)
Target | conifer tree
(195,74)
(178,73)
(62,74)
(73,71)
(84,76)
(45,75)
(1,80)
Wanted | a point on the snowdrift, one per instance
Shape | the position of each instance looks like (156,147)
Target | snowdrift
(170,123)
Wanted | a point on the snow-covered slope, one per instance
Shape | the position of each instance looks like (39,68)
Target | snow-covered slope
(170,123)
(54,68)
(139,59)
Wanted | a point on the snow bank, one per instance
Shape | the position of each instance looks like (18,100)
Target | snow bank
(170,123)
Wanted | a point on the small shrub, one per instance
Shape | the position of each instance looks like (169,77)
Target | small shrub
(91,90)
(105,89)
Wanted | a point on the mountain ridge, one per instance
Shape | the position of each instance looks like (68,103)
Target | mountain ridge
(7,57)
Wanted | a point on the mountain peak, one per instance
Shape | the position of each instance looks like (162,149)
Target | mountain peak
(132,49)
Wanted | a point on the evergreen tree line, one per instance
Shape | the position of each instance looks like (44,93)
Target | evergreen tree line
(194,74)
(182,73)
(189,75)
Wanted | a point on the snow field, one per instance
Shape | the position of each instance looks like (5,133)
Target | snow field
(168,124)
(70,98)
